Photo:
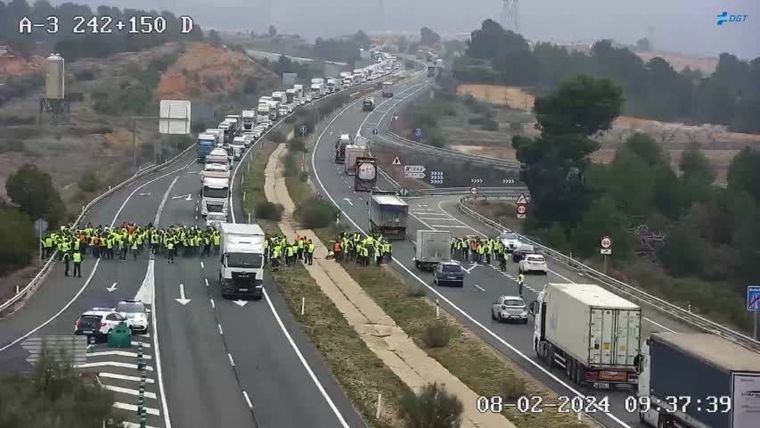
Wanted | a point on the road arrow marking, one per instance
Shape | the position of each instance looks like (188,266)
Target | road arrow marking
(479,287)
(182,300)
(241,303)
(112,288)
(143,194)
(349,201)
(188,197)
(474,265)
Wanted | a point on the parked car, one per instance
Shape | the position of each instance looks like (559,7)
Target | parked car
(449,273)
(510,240)
(521,250)
(135,312)
(509,308)
(533,263)
(98,322)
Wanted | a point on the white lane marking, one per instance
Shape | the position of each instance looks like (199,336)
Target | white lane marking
(94,268)
(232,362)
(130,391)
(348,201)
(163,202)
(450,226)
(203,266)
(137,343)
(164,404)
(133,408)
(111,364)
(183,300)
(117,354)
(304,363)
(437,293)
(134,425)
(292,343)
(124,377)
(220,329)
(212,304)
(206,281)
(479,287)
(247,399)
(146,291)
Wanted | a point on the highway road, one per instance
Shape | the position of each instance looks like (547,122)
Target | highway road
(212,362)
(483,284)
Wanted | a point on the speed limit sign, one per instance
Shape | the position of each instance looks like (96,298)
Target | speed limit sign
(606,243)
(522,209)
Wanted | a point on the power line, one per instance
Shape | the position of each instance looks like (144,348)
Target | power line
(509,18)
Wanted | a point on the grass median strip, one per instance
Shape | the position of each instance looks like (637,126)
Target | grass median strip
(361,373)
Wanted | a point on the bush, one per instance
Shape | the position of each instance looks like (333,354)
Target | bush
(490,125)
(198,126)
(315,213)
(18,242)
(276,137)
(436,141)
(512,388)
(89,182)
(436,335)
(683,253)
(268,211)
(433,407)
(415,291)
(297,145)
(12,120)
(12,146)
(33,191)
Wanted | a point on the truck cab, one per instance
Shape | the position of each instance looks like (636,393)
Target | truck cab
(262,113)
(368,104)
(215,194)
(316,90)
(387,89)
(241,263)
(205,144)
(340,148)
(248,117)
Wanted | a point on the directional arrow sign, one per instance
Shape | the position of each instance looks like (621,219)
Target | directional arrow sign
(240,303)
(112,288)
(414,168)
(182,300)
(414,174)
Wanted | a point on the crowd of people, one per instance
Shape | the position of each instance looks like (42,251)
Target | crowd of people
(363,249)
(279,250)
(481,250)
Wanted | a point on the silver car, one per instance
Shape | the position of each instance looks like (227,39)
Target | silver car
(509,308)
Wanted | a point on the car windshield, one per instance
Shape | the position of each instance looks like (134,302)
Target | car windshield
(131,307)
(514,302)
(509,236)
(452,268)
(209,192)
(244,260)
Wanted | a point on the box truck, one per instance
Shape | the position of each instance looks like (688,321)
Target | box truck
(697,380)
(366,174)
(249,119)
(205,144)
(388,214)
(591,333)
(340,148)
(215,194)
(431,247)
(368,104)
(241,265)
(387,89)
(352,153)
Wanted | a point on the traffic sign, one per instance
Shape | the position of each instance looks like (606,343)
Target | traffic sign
(414,174)
(414,168)
(522,209)
(40,225)
(396,161)
(375,131)
(522,199)
(403,191)
(606,251)
(418,132)
(753,298)
(303,130)
(67,348)
(606,242)
(473,190)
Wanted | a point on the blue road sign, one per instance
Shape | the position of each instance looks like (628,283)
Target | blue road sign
(375,131)
(303,130)
(418,132)
(753,298)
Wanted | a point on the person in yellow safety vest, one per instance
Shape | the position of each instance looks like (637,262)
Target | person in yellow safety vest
(365,255)
(290,255)
(520,283)
(109,246)
(77,258)
(207,245)
(77,245)
(134,246)
(48,244)
(154,241)
(217,238)
(379,252)
(66,258)
(170,250)
(310,252)
(276,255)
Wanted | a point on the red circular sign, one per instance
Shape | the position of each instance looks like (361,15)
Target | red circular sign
(521,209)
(606,242)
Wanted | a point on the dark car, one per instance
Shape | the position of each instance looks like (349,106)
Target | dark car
(449,273)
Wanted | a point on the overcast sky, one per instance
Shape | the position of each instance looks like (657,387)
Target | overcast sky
(676,25)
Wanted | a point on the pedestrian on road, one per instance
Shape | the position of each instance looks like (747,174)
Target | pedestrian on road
(65,259)
(170,250)
(310,252)
(77,257)
(520,283)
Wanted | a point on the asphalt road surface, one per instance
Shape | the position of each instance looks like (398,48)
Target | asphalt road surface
(483,283)
(214,362)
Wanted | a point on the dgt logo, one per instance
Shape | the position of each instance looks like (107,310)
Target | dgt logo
(725,17)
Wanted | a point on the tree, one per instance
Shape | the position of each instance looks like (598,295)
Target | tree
(683,252)
(491,41)
(695,167)
(32,190)
(89,181)
(744,173)
(643,44)
(433,407)
(580,105)
(602,219)
(18,242)
(429,37)
(214,38)
(55,395)
(362,39)
(272,31)
(646,148)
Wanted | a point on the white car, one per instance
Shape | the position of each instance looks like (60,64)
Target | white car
(135,312)
(509,308)
(98,322)
(248,138)
(533,263)
(510,240)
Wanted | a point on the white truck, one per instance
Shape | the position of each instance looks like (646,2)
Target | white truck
(432,247)
(215,170)
(346,78)
(593,334)
(282,98)
(215,194)
(353,152)
(249,119)
(238,147)
(387,89)
(241,265)
(300,96)
(274,110)
(317,90)
(214,219)
(290,98)
(262,114)
(332,85)
(218,133)
(698,380)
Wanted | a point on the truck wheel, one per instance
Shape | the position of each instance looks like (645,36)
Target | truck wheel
(417,264)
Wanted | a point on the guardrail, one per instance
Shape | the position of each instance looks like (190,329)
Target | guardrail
(12,304)
(687,317)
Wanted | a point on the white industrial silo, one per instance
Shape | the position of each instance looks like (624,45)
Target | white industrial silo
(54,78)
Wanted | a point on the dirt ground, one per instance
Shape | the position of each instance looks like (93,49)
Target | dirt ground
(679,62)
(12,64)
(717,143)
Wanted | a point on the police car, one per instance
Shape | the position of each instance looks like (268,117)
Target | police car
(98,322)
(135,312)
